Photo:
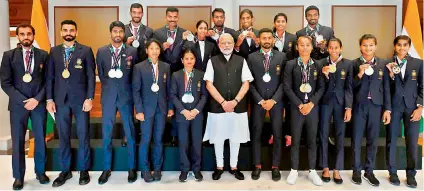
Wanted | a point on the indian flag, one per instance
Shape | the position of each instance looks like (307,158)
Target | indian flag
(41,41)
(412,28)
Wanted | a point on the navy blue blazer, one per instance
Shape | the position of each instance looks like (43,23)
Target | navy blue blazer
(81,83)
(293,79)
(210,50)
(145,33)
(289,46)
(13,69)
(326,32)
(245,49)
(112,88)
(199,93)
(378,84)
(339,84)
(145,100)
(410,88)
(172,57)
(267,90)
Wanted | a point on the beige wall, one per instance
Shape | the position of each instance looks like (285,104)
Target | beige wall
(189,16)
(93,24)
(377,20)
(264,16)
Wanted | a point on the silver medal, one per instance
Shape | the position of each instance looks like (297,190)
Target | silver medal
(155,87)
(112,73)
(27,78)
(170,40)
(396,69)
(135,43)
(118,73)
(279,45)
(266,77)
(216,36)
(190,37)
(369,71)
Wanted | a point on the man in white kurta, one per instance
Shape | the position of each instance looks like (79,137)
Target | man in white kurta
(227,79)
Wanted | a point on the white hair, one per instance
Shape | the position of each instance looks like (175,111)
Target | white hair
(226,35)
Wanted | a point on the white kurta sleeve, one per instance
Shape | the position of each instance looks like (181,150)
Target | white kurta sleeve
(246,75)
(209,73)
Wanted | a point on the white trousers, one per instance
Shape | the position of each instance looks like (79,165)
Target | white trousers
(219,154)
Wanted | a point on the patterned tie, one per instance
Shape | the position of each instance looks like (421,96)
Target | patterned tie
(369,93)
(27,54)
(135,32)
(173,37)
(266,61)
(116,56)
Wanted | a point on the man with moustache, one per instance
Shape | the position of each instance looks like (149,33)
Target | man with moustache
(227,79)
(115,62)
(70,91)
(218,19)
(22,79)
(172,37)
(320,34)
(267,65)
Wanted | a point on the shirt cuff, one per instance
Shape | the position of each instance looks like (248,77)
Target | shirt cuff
(388,111)
(260,102)
(348,108)
(49,100)
(197,111)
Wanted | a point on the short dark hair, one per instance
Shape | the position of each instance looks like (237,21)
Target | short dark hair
(116,24)
(68,22)
(248,11)
(219,10)
(150,42)
(136,5)
(171,9)
(280,15)
(311,7)
(25,26)
(200,22)
(402,37)
(366,37)
(188,50)
(336,40)
(265,30)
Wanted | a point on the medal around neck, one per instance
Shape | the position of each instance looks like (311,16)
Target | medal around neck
(369,71)
(266,77)
(170,40)
(66,73)
(135,43)
(332,68)
(187,98)
(305,88)
(319,38)
(112,73)
(244,33)
(155,87)
(118,73)
(27,78)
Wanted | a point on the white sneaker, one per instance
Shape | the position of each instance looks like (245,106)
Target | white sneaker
(291,179)
(313,175)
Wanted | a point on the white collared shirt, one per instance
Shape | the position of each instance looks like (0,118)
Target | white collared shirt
(32,59)
(114,49)
(403,69)
(202,49)
(283,39)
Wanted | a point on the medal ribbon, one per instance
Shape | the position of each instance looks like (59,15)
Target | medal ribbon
(28,60)
(188,82)
(67,55)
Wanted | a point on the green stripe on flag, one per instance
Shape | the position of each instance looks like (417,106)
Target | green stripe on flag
(49,124)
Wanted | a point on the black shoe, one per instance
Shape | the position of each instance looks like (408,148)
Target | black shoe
(237,173)
(275,173)
(411,182)
(256,173)
(370,177)
(132,176)
(157,175)
(84,177)
(183,176)
(216,175)
(63,177)
(198,176)
(356,178)
(174,141)
(394,179)
(104,177)
(43,178)
(147,176)
(18,184)
(338,180)
(325,179)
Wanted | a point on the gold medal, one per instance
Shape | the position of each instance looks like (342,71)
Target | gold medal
(27,78)
(302,88)
(66,74)
(332,68)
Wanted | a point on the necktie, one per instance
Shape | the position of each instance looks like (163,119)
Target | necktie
(369,93)
(173,37)
(135,32)
(116,56)
(266,62)
(28,66)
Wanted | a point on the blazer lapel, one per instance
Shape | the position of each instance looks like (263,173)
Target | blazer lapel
(19,59)
(36,60)
(76,54)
